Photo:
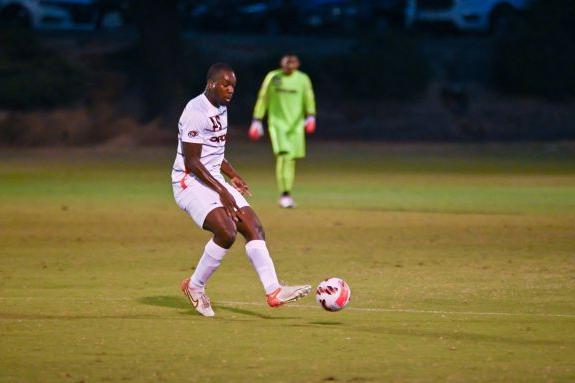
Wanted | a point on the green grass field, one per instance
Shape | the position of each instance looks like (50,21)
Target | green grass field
(461,261)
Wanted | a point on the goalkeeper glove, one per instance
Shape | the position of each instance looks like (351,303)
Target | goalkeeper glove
(310,124)
(256,130)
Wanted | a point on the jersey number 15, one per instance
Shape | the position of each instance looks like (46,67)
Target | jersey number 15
(216,123)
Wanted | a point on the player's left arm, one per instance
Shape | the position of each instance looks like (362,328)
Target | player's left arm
(309,98)
(236,180)
(309,106)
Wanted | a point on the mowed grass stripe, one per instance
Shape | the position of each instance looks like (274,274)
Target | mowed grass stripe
(312,307)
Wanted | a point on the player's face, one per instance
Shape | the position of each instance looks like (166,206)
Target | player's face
(225,87)
(289,64)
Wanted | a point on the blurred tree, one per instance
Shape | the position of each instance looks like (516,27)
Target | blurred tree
(160,63)
(384,67)
(538,58)
(34,77)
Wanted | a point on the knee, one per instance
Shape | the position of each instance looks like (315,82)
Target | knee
(225,236)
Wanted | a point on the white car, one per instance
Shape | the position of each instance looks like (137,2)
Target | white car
(466,15)
(57,14)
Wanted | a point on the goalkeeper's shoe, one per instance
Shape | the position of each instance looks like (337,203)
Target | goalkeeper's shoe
(286,202)
(198,299)
(287,294)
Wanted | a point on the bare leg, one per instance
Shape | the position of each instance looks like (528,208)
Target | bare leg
(222,226)
(250,226)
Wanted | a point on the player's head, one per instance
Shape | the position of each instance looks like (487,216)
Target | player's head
(220,83)
(289,63)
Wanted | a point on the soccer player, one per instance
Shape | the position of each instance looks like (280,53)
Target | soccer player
(215,205)
(287,96)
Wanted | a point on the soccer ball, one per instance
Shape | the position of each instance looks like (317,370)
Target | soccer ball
(333,294)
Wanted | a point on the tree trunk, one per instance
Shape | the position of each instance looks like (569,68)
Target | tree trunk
(160,56)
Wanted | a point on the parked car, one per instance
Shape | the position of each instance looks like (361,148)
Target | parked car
(466,15)
(295,16)
(381,15)
(237,15)
(63,14)
(112,13)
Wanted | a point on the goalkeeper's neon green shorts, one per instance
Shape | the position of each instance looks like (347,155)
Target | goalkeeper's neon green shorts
(290,141)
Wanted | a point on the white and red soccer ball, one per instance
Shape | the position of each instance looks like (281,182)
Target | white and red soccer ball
(333,294)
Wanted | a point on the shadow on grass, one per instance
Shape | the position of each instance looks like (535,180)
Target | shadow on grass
(251,313)
(317,323)
(181,303)
(326,323)
(166,301)
(463,336)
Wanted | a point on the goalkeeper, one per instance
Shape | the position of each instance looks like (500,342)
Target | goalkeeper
(287,96)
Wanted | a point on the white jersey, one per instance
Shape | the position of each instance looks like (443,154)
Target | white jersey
(202,123)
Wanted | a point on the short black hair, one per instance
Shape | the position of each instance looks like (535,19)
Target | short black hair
(290,54)
(216,68)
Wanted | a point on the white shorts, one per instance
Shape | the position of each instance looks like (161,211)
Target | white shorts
(198,200)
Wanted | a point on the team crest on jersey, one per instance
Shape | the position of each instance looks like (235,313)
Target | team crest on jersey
(277,80)
(193,133)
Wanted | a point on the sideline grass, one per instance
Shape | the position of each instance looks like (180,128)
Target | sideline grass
(460,258)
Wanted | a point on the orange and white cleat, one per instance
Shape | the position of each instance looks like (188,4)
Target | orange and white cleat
(198,299)
(287,294)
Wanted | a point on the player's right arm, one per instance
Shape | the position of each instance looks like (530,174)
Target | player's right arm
(192,154)
(262,102)
(192,126)
(256,128)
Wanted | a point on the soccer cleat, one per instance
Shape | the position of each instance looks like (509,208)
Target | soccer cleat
(287,294)
(286,202)
(198,299)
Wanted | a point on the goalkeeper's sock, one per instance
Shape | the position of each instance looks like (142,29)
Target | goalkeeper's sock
(285,172)
(279,172)
(289,173)
(209,262)
(259,256)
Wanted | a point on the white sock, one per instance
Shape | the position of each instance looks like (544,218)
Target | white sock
(262,262)
(211,259)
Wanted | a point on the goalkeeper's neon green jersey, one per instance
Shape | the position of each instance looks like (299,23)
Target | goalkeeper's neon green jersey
(287,99)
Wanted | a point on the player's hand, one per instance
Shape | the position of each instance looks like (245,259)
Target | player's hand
(256,130)
(310,124)
(230,206)
(240,185)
